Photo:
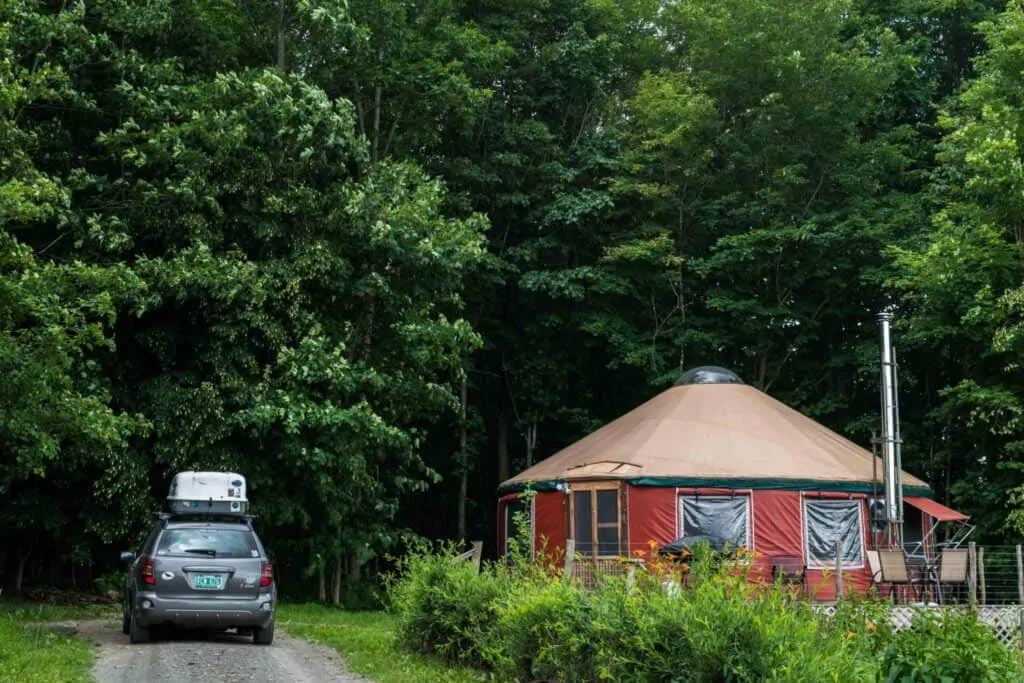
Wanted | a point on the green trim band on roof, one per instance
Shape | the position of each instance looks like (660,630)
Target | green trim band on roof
(733,483)
(534,485)
(776,484)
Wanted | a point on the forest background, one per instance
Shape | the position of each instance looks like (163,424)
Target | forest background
(379,255)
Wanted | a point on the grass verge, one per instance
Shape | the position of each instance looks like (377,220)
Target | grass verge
(367,642)
(32,654)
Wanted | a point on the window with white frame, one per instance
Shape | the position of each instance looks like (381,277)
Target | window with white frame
(718,517)
(828,522)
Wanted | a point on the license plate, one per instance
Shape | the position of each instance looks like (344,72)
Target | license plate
(208,582)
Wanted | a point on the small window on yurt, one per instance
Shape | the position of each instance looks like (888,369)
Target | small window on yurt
(596,522)
(725,518)
(829,521)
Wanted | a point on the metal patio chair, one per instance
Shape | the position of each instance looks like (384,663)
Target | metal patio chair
(953,567)
(895,573)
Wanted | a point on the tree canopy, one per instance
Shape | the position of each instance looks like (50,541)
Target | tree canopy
(379,256)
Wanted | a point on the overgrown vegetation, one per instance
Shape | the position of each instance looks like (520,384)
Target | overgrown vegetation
(527,622)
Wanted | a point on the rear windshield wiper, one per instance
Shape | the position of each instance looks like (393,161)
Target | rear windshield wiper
(202,551)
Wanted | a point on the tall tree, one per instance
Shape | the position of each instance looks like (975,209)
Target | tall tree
(963,283)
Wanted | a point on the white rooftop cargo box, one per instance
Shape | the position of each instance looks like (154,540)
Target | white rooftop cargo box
(208,492)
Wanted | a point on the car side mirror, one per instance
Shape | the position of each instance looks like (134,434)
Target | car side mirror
(127,556)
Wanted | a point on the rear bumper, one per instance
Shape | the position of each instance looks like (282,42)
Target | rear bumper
(151,610)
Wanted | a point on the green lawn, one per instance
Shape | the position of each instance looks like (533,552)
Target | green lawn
(37,655)
(367,642)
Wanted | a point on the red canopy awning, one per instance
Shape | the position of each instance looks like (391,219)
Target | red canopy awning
(936,510)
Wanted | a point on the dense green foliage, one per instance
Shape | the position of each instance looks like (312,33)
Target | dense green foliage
(282,237)
(528,624)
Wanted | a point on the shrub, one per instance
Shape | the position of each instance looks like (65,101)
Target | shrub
(542,632)
(865,621)
(526,623)
(954,646)
(445,606)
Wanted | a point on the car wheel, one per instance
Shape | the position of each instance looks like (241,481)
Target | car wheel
(136,633)
(265,635)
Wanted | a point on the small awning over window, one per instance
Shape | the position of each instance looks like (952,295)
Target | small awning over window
(936,510)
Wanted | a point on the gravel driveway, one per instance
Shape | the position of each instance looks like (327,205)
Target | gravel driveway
(211,658)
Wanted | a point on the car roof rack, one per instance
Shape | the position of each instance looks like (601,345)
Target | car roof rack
(197,516)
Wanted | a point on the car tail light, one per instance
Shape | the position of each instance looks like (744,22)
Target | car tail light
(148,577)
(266,575)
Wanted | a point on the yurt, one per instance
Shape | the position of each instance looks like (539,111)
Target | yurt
(712,456)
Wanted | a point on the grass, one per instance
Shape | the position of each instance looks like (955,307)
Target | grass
(367,642)
(31,654)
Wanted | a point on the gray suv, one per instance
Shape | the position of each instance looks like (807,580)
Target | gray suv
(205,573)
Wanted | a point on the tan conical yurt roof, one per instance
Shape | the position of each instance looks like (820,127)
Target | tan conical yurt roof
(712,430)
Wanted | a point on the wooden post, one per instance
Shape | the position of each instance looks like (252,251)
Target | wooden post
(478,551)
(1020,599)
(981,575)
(839,570)
(570,557)
(972,575)
(1021,653)
(1020,575)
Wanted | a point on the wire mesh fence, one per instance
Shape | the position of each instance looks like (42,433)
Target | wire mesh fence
(1000,575)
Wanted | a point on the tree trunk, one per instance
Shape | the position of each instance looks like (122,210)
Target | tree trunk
(355,571)
(23,555)
(336,582)
(503,439)
(321,591)
(281,62)
(376,106)
(531,442)
(464,460)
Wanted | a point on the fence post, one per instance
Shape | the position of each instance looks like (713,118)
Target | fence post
(1020,575)
(1020,600)
(981,575)
(478,552)
(972,575)
(839,570)
(570,556)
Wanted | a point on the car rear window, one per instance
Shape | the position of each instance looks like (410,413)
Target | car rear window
(208,543)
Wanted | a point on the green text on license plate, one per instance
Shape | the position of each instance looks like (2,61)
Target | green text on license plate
(208,581)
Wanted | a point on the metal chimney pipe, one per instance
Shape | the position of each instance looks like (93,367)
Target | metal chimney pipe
(890,472)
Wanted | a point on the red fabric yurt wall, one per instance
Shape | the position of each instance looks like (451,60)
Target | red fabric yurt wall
(550,519)
(549,522)
(776,524)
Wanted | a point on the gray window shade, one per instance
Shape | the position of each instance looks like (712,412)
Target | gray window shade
(828,521)
(727,518)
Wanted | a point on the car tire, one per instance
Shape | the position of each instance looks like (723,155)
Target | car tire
(126,622)
(137,634)
(264,635)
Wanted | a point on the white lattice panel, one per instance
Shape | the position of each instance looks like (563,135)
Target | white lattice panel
(1004,620)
